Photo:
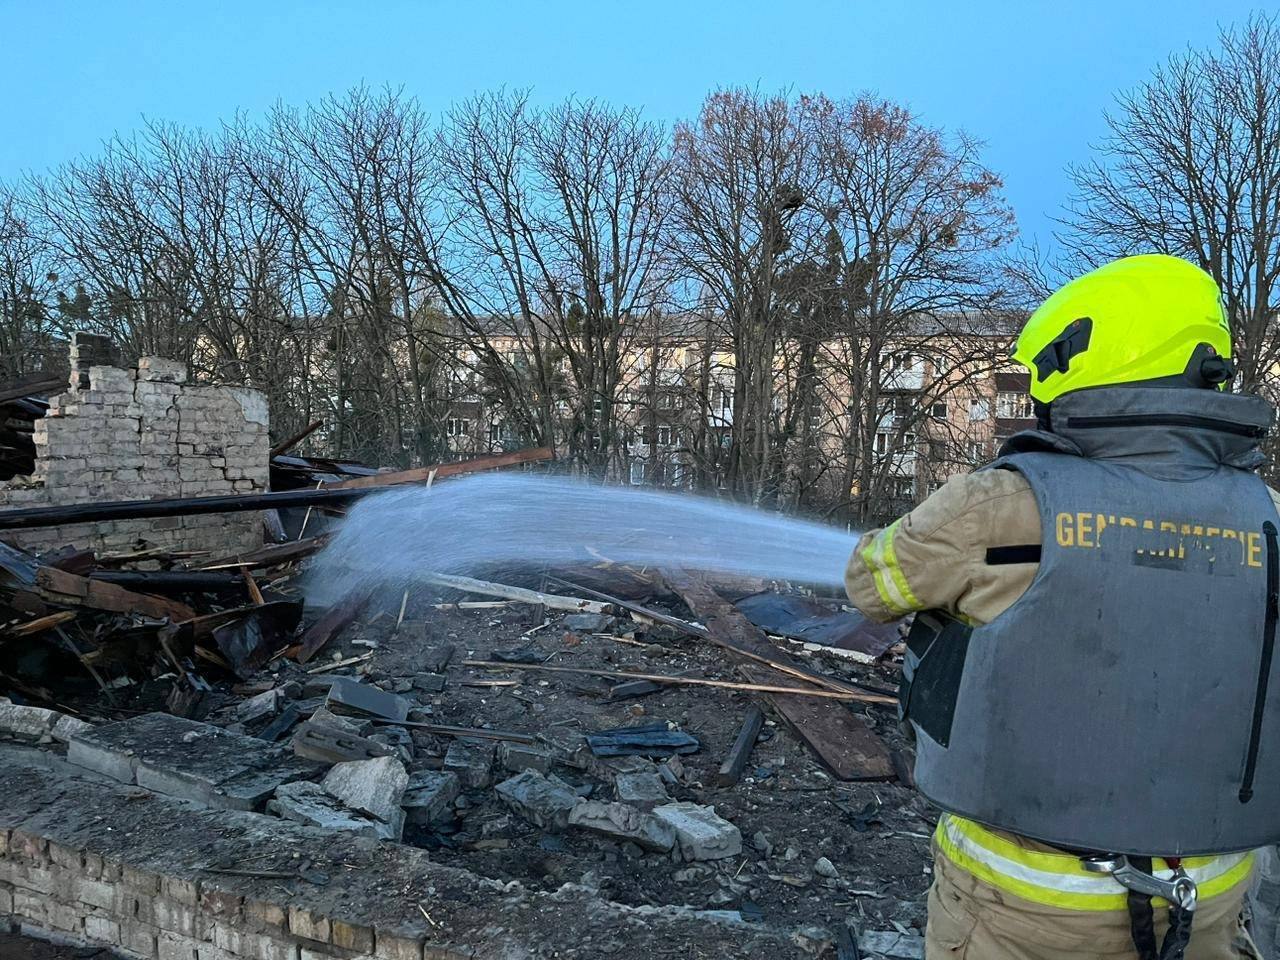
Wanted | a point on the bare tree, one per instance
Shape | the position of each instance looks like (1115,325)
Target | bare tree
(1192,167)
(559,217)
(744,175)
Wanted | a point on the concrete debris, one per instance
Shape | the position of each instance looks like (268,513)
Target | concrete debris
(518,756)
(587,622)
(429,796)
(621,822)
(653,740)
(429,682)
(700,832)
(375,787)
(545,802)
(825,868)
(644,790)
(890,943)
(472,761)
(314,741)
(190,760)
(307,802)
(23,722)
(327,718)
(351,697)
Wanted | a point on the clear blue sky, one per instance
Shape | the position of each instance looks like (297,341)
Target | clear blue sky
(1030,78)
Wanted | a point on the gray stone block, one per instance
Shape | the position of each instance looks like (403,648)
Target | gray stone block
(700,833)
(472,761)
(543,801)
(375,787)
(194,761)
(643,790)
(307,802)
(621,822)
(430,796)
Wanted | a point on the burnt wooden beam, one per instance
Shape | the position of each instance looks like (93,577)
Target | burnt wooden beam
(840,739)
(730,771)
(442,470)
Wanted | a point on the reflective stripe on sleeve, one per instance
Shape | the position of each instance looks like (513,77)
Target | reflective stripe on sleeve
(1058,880)
(881,561)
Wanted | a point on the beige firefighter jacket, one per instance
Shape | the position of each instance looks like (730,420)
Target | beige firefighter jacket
(940,551)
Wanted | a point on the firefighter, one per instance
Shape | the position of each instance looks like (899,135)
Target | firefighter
(1087,674)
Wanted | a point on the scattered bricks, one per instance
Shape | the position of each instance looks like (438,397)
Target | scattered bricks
(621,822)
(352,936)
(471,761)
(700,833)
(430,796)
(643,790)
(308,925)
(517,757)
(102,929)
(398,945)
(542,801)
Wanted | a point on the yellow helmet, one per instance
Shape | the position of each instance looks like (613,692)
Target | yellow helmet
(1137,318)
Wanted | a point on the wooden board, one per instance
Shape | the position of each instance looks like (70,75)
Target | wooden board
(840,739)
(442,470)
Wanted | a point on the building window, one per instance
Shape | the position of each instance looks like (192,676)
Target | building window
(904,487)
(979,410)
(664,434)
(901,361)
(939,410)
(594,440)
(637,472)
(666,400)
(457,427)
(495,433)
(882,443)
(977,451)
(646,435)
(1014,406)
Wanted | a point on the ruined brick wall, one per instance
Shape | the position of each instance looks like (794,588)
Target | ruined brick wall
(142,434)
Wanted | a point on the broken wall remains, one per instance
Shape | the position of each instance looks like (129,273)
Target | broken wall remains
(140,434)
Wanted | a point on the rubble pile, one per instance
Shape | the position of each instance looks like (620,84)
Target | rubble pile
(628,736)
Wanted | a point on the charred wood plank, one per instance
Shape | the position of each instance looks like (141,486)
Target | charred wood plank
(59,586)
(730,771)
(332,622)
(171,581)
(838,737)
(297,438)
(442,470)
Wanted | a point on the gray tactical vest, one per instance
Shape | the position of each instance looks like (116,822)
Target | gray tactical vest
(1127,702)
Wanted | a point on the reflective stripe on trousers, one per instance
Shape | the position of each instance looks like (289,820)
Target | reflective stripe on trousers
(1058,879)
